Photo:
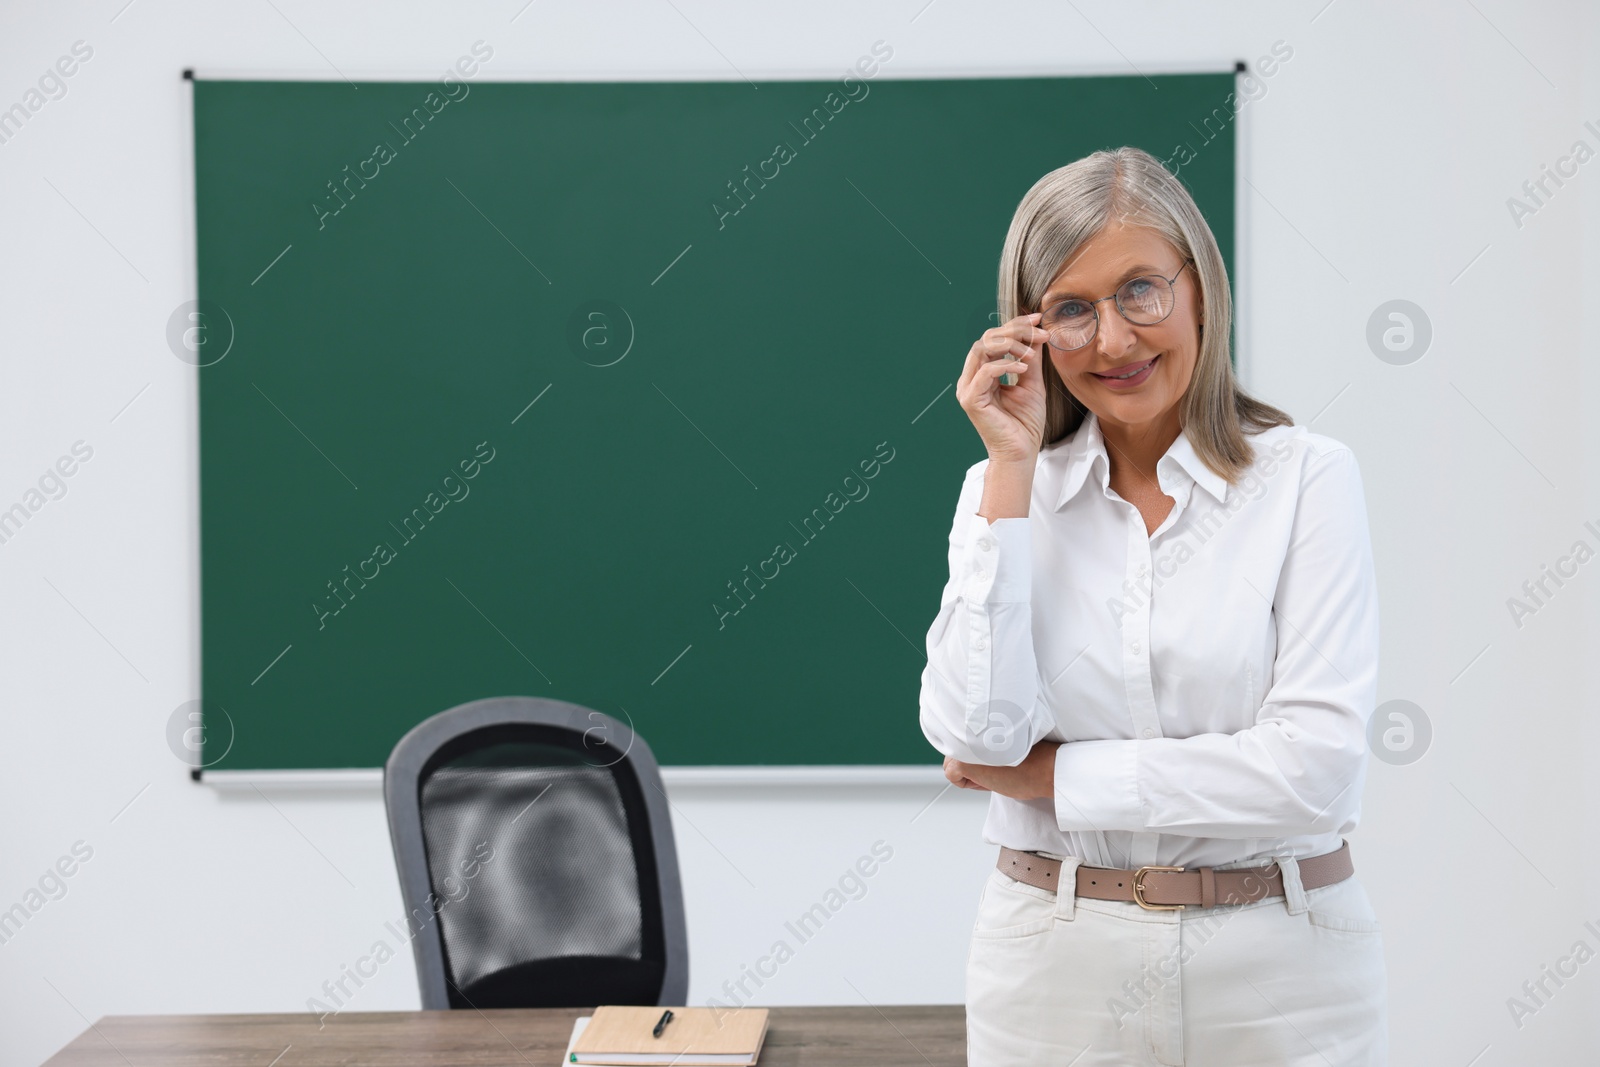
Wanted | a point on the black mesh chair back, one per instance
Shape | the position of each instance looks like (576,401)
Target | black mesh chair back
(536,859)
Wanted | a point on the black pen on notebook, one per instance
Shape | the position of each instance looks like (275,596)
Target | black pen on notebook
(666,1017)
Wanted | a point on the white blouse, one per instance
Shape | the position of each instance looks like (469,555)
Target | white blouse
(1212,680)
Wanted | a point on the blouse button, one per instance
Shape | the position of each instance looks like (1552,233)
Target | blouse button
(981,643)
(1136,648)
(1149,732)
(986,545)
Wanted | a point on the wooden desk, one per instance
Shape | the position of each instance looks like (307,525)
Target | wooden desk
(890,1036)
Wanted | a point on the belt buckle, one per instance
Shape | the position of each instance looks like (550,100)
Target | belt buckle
(1138,890)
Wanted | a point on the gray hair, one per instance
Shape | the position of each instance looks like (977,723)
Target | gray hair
(1069,206)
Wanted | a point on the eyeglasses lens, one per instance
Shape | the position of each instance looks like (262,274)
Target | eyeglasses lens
(1144,301)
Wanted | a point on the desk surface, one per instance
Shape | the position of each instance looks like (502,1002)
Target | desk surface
(890,1036)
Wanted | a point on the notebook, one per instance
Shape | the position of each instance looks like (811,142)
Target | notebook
(695,1037)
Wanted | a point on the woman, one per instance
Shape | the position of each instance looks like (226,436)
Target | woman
(1158,649)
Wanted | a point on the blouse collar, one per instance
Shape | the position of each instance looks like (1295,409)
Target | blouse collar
(1076,454)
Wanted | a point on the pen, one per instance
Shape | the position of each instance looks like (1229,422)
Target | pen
(666,1017)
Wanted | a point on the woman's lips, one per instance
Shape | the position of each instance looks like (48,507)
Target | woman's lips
(1137,379)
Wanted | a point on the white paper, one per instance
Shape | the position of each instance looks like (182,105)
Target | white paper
(578,1025)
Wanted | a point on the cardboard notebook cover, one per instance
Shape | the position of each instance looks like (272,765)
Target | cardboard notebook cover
(622,1034)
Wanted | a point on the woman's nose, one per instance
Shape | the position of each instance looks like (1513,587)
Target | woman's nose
(1115,334)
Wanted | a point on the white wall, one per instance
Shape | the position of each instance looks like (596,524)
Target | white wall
(1382,158)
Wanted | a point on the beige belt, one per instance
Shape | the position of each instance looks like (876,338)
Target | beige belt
(1169,888)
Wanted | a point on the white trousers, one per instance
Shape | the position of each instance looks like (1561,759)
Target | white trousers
(1073,982)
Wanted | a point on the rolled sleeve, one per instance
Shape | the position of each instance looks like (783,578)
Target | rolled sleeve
(999,562)
(980,700)
(1097,786)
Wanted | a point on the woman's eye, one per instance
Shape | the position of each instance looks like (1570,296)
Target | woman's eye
(1139,287)
(1070,309)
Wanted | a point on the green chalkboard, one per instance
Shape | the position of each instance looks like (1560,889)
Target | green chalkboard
(508,389)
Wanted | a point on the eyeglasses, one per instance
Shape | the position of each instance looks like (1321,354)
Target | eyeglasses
(1143,301)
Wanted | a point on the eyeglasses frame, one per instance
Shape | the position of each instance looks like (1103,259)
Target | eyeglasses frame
(1171,284)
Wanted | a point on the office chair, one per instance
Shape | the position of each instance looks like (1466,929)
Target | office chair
(536,859)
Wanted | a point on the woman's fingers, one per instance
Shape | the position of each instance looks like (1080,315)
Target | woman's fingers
(1020,332)
(989,369)
(995,347)
(952,770)
(996,367)
(1005,411)
(1017,343)
(955,771)
(1021,342)
(993,369)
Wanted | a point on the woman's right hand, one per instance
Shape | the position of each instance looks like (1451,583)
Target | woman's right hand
(1009,418)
